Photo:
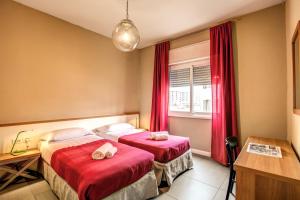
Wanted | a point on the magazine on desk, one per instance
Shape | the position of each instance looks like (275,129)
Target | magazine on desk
(264,149)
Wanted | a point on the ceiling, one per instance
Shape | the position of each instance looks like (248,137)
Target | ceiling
(156,20)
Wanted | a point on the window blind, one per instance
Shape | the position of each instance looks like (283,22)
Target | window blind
(179,77)
(201,75)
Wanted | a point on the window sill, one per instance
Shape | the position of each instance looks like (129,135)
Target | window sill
(193,116)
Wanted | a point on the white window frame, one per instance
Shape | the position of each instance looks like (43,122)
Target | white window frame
(204,61)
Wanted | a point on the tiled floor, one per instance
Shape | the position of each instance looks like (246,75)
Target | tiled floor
(208,180)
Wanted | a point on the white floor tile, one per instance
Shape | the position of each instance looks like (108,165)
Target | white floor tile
(39,187)
(48,195)
(204,165)
(213,178)
(185,188)
(22,193)
(225,185)
(164,197)
(221,195)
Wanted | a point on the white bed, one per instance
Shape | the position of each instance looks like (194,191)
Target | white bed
(144,188)
(163,171)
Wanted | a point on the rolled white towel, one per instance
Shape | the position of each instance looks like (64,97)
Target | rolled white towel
(161,136)
(161,132)
(100,153)
(111,152)
(152,135)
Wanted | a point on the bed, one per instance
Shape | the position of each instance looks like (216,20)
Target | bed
(73,174)
(172,157)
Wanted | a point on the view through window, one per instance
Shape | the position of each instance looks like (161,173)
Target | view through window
(190,88)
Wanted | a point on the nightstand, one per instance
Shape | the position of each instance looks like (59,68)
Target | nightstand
(15,166)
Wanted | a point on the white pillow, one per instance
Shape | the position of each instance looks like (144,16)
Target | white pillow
(65,134)
(114,128)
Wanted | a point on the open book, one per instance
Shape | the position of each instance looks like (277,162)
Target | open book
(264,149)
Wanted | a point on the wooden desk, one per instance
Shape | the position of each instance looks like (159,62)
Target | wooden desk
(263,177)
(17,166)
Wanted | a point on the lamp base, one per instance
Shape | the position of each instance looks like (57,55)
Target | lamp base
(16,153)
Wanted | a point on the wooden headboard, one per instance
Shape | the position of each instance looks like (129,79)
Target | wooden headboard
(36,129)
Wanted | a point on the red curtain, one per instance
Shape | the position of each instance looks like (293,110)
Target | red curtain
(224,119)
(160,91)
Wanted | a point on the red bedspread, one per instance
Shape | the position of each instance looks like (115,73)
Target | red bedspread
(96,179)
(164,151)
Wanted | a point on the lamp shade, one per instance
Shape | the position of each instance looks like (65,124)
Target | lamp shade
(126,36)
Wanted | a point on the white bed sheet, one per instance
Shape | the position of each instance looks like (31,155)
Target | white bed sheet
(48,148)
(115,135)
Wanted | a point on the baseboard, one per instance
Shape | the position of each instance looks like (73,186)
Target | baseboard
(200,152)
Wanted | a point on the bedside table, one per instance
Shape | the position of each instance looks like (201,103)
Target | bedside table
(18,165)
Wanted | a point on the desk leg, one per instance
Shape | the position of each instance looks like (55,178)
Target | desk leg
(245,185)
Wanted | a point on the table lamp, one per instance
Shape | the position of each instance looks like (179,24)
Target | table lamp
(18,152)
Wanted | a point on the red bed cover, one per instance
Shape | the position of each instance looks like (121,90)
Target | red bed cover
(164,151)
(96,179)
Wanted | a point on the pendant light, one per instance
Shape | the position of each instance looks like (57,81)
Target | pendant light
(126,36)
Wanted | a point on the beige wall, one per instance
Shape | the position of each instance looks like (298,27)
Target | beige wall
(198,130)
(292,11)
(261,73)
(52,69)
(260,77)
(146,81)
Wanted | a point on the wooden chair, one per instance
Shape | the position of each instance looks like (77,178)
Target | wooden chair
(231,148)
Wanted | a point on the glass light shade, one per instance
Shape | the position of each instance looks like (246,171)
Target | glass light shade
(126,36)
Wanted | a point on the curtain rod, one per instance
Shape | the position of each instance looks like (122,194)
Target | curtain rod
(235,19)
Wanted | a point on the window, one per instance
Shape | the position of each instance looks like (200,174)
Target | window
(179,92)
(190,89)
(201,89)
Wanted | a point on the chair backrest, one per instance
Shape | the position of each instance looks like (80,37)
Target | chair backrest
(231,147)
